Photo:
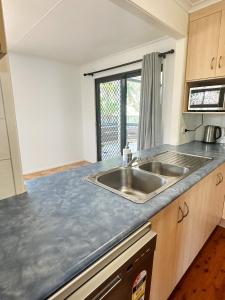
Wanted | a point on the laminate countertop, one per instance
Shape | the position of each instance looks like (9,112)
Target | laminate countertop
(63,224)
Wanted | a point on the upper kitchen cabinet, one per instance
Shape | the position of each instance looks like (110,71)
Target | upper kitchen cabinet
(220,70)
(206,43)
(3,47)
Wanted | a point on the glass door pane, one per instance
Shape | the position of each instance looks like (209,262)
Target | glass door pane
(109,119)
(133,103)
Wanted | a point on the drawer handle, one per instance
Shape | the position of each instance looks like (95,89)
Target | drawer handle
(187,209)
(105,292)
(219,65)
(211,65)
(182,213)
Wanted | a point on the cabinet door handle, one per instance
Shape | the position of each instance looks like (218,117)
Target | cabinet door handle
(211,65)
(219,64)
(187,209)
(219,178)
(182,215)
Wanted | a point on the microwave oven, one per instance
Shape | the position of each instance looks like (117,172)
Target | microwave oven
(207,98)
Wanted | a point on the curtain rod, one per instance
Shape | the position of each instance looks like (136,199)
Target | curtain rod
(163,55)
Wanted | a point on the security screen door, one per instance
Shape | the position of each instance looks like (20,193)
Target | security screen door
(117,113)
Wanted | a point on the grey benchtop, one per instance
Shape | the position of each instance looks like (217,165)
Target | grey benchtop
(63,224)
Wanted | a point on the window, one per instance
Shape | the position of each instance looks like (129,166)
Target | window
(117,113)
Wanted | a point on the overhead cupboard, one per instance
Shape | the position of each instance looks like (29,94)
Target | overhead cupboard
(205,54)
(206,43)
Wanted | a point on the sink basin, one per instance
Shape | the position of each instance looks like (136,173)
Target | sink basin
(133,183)
(141,182)
(164,169)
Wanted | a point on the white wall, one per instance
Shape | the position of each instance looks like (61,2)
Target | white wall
(88,89)
(48,111)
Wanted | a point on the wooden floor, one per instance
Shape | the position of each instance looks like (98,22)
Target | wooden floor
(205,279)
(55,170)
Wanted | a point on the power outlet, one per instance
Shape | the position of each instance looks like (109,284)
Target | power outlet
(183,130)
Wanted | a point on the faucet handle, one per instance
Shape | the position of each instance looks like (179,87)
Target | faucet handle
(133,160)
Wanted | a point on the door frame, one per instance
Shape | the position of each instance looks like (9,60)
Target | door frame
(123,77)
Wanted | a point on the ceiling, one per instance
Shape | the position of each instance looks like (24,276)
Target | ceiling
(73,31)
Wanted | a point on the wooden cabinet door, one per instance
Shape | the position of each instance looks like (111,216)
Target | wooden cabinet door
(202,207)
(203,47)
(214,190)
(3,47)
(220,70)
(190,232)
(218,199)
(180,236)
(164,266)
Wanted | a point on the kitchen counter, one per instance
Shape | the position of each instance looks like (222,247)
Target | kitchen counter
(64,223)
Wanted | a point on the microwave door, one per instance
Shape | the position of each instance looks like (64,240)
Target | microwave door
(196,99)
(212,98)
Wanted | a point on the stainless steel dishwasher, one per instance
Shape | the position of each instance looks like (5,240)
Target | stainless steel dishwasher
(126,277)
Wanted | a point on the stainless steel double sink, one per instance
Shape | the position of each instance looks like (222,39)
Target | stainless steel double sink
(149,177)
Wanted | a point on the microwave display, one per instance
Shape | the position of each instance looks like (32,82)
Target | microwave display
(207,98)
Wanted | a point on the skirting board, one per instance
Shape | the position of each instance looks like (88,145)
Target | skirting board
(51,171)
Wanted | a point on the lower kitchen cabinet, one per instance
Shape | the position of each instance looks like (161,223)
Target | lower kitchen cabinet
(164,270)
(182,229)
(219,183)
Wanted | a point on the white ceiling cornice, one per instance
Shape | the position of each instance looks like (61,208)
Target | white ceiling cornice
(185,4)
(193,5)
(203,3)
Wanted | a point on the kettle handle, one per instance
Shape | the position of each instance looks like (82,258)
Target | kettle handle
(220,132)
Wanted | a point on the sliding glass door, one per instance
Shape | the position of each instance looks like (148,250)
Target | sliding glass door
(117,113)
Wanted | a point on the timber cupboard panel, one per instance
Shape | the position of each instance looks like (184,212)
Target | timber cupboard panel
(2,114)
(182,229)
(3,47)
(6,183)
(203,47)
(189,239)
(220,70)
(4,144)
(220,192)
(164,269)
